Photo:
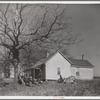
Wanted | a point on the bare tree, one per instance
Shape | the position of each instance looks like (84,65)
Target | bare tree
(48,27)
(50,30)
(53,29)
(11,26)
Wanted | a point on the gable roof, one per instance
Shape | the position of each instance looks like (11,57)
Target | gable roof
(76,62)
(81,63)
(43,61)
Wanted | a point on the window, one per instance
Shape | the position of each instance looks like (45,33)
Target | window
(58,71)
(77,73)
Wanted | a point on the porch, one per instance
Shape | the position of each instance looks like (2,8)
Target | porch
(36,73)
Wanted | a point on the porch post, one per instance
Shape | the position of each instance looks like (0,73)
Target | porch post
(33,73)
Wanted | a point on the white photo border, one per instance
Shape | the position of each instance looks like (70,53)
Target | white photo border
(52,97)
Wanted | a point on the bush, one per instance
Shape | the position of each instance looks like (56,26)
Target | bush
(71,79)
(60,80)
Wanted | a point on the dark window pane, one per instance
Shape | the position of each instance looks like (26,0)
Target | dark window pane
(58,71)
(77,73)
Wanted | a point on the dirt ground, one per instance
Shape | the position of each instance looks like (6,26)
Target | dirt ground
(52,88)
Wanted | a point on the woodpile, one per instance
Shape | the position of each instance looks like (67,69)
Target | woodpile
(28,81)
(71,79)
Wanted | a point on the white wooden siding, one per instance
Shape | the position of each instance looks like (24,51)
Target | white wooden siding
(73,71)
(1,74)
(57,61)
(86,73)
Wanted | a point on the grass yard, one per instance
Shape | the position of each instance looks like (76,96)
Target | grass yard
(52,88)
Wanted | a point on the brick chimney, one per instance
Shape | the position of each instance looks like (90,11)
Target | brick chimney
(82,56)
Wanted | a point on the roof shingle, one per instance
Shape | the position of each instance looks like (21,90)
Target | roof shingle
(80,63)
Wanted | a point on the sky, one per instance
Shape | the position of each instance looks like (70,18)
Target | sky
(87,24)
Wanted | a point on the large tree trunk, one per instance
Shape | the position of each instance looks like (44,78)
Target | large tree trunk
(16,73)
(16,63)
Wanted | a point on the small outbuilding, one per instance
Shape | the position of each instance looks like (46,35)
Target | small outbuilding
(57,64)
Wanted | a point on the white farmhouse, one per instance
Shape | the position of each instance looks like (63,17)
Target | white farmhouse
(57,64)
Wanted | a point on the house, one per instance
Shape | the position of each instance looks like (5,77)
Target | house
(57,64)
(1,72)
(8,72)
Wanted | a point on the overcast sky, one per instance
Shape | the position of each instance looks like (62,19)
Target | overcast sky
(87,24)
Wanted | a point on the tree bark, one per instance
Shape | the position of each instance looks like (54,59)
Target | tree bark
(16,63)
(16,73)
